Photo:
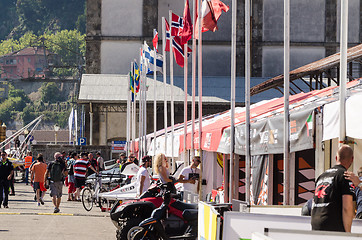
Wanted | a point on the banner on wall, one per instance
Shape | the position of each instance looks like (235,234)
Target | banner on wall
(266,135)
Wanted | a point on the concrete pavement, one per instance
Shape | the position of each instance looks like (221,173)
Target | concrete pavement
(25,220)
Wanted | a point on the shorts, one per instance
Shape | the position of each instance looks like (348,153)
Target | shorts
(79,182)
(39,185)
(56,189)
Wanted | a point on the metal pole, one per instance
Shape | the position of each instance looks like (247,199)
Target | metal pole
(186,162)
(232,100)
(172,97)
(164,79)
(247,98)
(286,163)
(343,72)
(90,124)
(128,133)
(154,100)
(200,95)
(193,83)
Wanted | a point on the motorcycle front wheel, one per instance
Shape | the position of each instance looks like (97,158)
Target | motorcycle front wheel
(139,233)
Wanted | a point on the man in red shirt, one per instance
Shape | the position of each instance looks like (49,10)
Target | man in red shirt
(37,175)
(80,170)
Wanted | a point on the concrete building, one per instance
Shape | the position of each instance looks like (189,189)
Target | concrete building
(116,30)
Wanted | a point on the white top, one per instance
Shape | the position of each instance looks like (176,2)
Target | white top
(100,161)
(146,184)
(187,172)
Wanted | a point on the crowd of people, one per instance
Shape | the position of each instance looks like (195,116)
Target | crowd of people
(72,170)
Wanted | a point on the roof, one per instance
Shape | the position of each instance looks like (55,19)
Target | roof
(112,88)
(48,136)
(317,66)
(29,51)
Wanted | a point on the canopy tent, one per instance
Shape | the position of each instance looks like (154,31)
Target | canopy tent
(267,129)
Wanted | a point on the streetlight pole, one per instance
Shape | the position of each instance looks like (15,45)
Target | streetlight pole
(56,129)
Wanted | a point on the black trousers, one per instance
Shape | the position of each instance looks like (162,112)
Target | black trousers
(4,188)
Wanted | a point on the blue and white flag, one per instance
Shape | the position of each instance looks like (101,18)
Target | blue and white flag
(148,55)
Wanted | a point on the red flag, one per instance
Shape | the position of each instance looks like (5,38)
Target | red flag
(155,39)
(176,24)
(167,45)
(210,12)
(186,32)
(178,50)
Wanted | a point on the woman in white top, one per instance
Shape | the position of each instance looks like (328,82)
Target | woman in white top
(160,167)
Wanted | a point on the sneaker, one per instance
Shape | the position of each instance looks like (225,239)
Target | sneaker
(6,206)
(41,201)
(56,210)
(38,204)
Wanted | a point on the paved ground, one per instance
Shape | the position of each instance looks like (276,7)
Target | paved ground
(25,220)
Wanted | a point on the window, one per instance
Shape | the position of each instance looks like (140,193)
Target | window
(29,60)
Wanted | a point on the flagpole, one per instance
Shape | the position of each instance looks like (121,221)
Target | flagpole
(140,111)
(134,111)
(286,186)
(185,103)
(128,111)
(154,99)
(164,79)
(172,97)
(247,98)
(200,94)
(343,71)
(232,101)
(145,104)
(193,82)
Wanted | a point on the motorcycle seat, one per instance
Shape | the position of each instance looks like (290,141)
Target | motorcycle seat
(190,214)
(183,206)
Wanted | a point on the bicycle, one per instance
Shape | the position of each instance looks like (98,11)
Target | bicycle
(90,194)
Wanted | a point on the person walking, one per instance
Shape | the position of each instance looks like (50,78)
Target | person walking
(332,208)
(37,175)
(189,176)
(100,161)
(80,170)
(56,171)
(28,160)
(6,173)
(71,180)
(94,163)
(143,176)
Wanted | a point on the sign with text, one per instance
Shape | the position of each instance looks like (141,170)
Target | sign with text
(118,146)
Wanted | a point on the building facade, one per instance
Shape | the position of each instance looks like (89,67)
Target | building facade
(116,30)
(30,62)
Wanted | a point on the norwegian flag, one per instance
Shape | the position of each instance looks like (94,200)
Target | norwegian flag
(167,45)
(176,24)
(178,50)
(186,31)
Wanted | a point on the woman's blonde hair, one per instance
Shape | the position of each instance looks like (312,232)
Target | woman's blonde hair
(157,162)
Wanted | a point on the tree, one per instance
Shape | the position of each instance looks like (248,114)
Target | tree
(50,93)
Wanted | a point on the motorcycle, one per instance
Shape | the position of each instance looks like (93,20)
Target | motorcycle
(125,215)
(166,222)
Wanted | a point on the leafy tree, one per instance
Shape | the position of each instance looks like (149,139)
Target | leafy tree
(50,93)
(29,114)
(8,17)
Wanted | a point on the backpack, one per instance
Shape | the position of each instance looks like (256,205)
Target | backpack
(71,167)
(56,172)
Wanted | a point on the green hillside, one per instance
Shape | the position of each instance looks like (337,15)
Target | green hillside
(40,16)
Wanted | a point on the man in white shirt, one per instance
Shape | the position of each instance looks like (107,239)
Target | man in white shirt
(143,176)
(189,176)
(100,161)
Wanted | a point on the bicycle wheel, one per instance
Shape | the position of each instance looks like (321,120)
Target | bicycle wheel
(87,198)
